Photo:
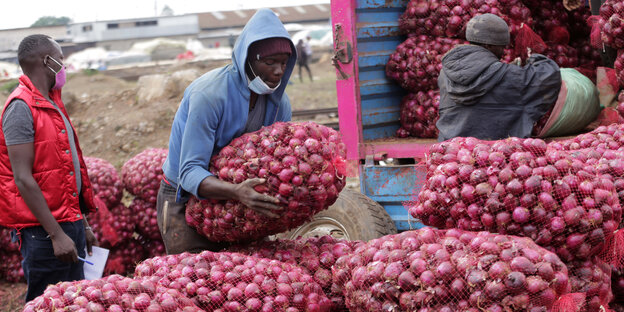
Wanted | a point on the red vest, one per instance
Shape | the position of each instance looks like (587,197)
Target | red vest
(52,166)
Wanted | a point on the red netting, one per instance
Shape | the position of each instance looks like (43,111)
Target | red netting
(448,18)
(620,106)
(315,256)
(565,201)
(141,175)
(451,270)
(235,282)
(593,278)
(527,40)
(419,114)
(105,181)
(596,23)
(107,231)
(113,293)
(612,11)
(303,165)
(417,62)
(10,258)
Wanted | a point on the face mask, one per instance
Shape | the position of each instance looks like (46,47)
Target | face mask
(258,86)
(59,79)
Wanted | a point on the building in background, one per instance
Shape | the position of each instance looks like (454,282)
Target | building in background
(212,29)
(218,28)
(122,34)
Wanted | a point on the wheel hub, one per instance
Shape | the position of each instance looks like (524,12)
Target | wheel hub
(322,226)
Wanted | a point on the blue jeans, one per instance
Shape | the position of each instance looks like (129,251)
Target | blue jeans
(41,267)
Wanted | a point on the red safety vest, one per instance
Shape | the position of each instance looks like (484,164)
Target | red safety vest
(52,167)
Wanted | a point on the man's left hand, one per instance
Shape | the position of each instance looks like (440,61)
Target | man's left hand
(91,241)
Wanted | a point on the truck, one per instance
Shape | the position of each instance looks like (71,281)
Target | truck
(391,171)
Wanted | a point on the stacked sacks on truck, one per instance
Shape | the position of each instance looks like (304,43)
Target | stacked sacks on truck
(304,168)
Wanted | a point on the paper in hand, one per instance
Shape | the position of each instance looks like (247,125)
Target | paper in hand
(95,271)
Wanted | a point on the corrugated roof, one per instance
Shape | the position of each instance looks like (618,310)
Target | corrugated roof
(237,18)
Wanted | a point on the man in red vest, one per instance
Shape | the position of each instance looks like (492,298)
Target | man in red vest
(45,192)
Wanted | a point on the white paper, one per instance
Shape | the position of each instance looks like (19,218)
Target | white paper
(95,271)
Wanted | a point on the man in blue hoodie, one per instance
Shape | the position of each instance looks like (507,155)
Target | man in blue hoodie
(217,107)
(484,98)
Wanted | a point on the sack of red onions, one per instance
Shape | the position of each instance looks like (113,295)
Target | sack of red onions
(315,256)
(520,187)
(114,293)
(451,270)
(304,168)
(235,282)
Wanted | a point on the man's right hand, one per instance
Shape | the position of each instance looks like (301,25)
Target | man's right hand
(64,248)
(261,203)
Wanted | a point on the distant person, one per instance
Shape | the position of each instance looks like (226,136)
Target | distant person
(232,40)
(45,193)
(219,106)
(302,59)
(307,48)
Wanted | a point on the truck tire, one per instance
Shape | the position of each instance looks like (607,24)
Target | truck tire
(353,216)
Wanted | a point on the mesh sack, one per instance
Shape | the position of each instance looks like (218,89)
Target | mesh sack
(527,40)
(564,55)
(105,181)
(141,174)
(449,18)
(419,114)
(620,106)
(593,278)
(304,168)
(417,62)
(315,256)
(103,225)
(146,217)
(235,282)
(596,23)
(451,270)
(114,293)
(520,187)
(612,11)
(577,24)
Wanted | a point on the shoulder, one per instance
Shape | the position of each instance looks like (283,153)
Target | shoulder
(18,107)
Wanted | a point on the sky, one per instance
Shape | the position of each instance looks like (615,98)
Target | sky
(23,13)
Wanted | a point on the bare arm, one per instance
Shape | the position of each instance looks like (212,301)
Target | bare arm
(21,157)
(212,187)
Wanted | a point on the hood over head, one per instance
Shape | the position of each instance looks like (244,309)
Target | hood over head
(468,72)
(262,25)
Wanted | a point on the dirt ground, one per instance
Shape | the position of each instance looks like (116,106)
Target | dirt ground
(112,125)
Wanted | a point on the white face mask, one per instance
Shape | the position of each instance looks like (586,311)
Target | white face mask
(258,86)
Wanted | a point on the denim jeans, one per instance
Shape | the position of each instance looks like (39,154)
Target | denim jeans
(177,235)
(41,267)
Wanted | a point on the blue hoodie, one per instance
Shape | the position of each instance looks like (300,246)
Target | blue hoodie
(215,107)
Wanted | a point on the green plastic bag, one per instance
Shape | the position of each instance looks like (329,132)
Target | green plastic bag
(576,107)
